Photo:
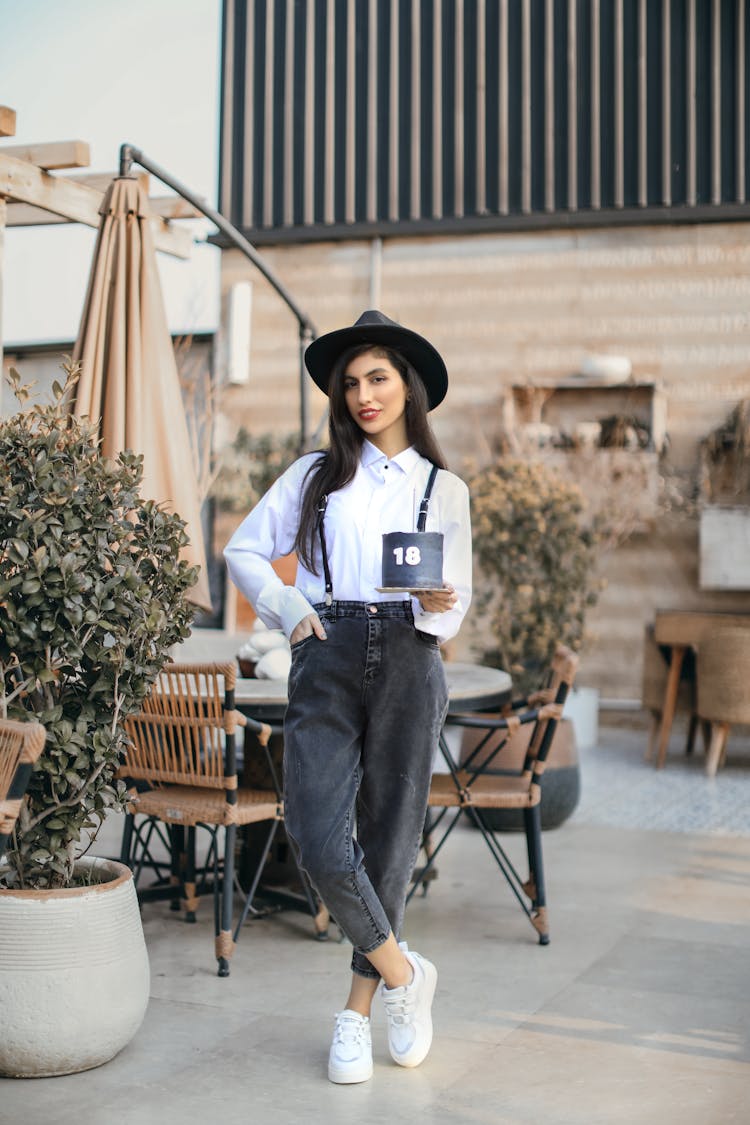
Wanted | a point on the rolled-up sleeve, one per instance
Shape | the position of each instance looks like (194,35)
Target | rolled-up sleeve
(454,520)
(266,534)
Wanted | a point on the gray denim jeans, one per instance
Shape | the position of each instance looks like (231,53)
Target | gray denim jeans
(365,711)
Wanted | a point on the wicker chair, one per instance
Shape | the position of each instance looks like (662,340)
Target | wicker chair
(723,667)
(469,790)
(20,746)
(182,746)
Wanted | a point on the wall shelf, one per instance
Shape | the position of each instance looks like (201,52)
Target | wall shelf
(568,405)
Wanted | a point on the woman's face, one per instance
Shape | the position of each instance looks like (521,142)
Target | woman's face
(375,396)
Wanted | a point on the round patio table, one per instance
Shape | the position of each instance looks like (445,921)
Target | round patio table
(471,687)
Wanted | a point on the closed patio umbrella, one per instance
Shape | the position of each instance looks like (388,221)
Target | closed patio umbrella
(129,376)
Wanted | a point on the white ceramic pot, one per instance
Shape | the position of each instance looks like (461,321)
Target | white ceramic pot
(74,974)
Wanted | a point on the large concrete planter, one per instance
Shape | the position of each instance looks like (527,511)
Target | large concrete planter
(74,974)
(561,787)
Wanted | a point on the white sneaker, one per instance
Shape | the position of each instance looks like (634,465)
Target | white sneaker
(350,1057)
(409,1013)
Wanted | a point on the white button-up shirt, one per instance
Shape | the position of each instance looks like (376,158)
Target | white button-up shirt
(383,496)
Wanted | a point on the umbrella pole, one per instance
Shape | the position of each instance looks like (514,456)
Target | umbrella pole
(130,155)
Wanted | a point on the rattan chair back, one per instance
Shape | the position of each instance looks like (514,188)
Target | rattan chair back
(724,676)
(183,758)
(180,735)
(552,698)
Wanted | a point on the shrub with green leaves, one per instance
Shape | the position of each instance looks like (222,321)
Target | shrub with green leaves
(92,597)
(536,555)
(249,466)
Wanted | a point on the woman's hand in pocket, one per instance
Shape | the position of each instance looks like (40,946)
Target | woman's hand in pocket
(306,627)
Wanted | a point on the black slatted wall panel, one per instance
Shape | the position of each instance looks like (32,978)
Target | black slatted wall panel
(342,117)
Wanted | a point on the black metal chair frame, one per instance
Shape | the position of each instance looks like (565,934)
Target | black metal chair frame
(172,874)
(530,893)
(159,725)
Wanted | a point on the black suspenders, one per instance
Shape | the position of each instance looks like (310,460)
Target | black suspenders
(421,523)
(321,531)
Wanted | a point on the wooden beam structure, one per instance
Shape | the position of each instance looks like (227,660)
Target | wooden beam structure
(26,215)
(173,207)
(58,154)
(163,207)
(22,182)
(7,121)
(102,180)
(30,195)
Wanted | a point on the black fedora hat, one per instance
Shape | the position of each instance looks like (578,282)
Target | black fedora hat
(374,327)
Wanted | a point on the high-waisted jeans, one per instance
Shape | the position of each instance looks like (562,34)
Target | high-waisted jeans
(362,725)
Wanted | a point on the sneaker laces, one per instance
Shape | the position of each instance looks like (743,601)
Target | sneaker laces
(400,1007)
(350,1031)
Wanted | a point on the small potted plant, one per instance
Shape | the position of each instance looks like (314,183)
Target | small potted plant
(536,552)
(93,594)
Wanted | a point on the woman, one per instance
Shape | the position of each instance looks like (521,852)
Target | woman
(367,694)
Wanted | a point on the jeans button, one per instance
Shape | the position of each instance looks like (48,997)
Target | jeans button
(372,608)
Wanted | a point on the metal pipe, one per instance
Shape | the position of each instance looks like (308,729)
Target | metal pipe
(376,272)
(130,155)
(304,421)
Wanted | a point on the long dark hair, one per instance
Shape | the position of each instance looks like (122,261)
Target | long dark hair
(337,465)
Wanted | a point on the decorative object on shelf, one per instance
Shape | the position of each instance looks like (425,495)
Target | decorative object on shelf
(541,434)
(635,413)
(623,431)
(587,435)
(607,368)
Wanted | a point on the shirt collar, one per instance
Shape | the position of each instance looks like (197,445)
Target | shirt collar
(406,459)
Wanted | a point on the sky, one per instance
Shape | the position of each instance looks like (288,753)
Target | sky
(106,72)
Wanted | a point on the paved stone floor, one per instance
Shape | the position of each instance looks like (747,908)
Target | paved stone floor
(618,790)
(638,1011)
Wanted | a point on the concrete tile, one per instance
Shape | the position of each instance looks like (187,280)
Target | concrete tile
(569,1079)
(689,968)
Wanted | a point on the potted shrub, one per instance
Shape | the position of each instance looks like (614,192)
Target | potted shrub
(536,552)
(92,596)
